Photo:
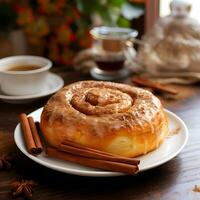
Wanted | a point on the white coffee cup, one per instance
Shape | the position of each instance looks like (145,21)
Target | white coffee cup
(23,82)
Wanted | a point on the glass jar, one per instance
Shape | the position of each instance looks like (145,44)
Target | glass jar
(110,51)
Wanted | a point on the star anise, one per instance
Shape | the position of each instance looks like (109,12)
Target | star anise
(5,162)
(23,188)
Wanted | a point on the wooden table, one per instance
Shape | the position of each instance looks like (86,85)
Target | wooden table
(174,180)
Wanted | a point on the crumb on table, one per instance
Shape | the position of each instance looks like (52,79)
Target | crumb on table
(196,188)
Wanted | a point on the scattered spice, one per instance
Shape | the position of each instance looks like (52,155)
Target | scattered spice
(196,188)
(174,132)
(23,188)
(5,162)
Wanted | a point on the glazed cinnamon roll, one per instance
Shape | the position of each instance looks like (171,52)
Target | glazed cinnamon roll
(112,117)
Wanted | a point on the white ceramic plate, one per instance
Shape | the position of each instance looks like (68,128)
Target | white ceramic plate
(168,150)
(54,83)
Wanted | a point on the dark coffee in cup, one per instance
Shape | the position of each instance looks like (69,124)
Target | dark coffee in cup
(109,64)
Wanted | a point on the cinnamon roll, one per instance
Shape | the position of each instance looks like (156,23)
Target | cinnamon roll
(112,117)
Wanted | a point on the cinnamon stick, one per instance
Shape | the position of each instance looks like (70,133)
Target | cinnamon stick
(92,162)
(35,135)
(153,85)
(31,144)
(73,144)
(83,151)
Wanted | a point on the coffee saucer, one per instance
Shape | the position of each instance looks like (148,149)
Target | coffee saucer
(54,83)
(99,74)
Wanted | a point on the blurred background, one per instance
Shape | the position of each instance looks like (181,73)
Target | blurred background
(164,8)
(59,29)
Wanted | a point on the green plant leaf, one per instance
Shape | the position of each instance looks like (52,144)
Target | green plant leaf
(116,3)
(122,22)
(88,6)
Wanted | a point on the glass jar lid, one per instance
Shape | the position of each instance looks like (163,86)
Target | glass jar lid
(113,33)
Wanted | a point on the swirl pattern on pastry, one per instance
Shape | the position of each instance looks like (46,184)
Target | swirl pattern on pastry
(111,117)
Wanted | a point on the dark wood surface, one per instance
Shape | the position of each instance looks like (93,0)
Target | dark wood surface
(174,180)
